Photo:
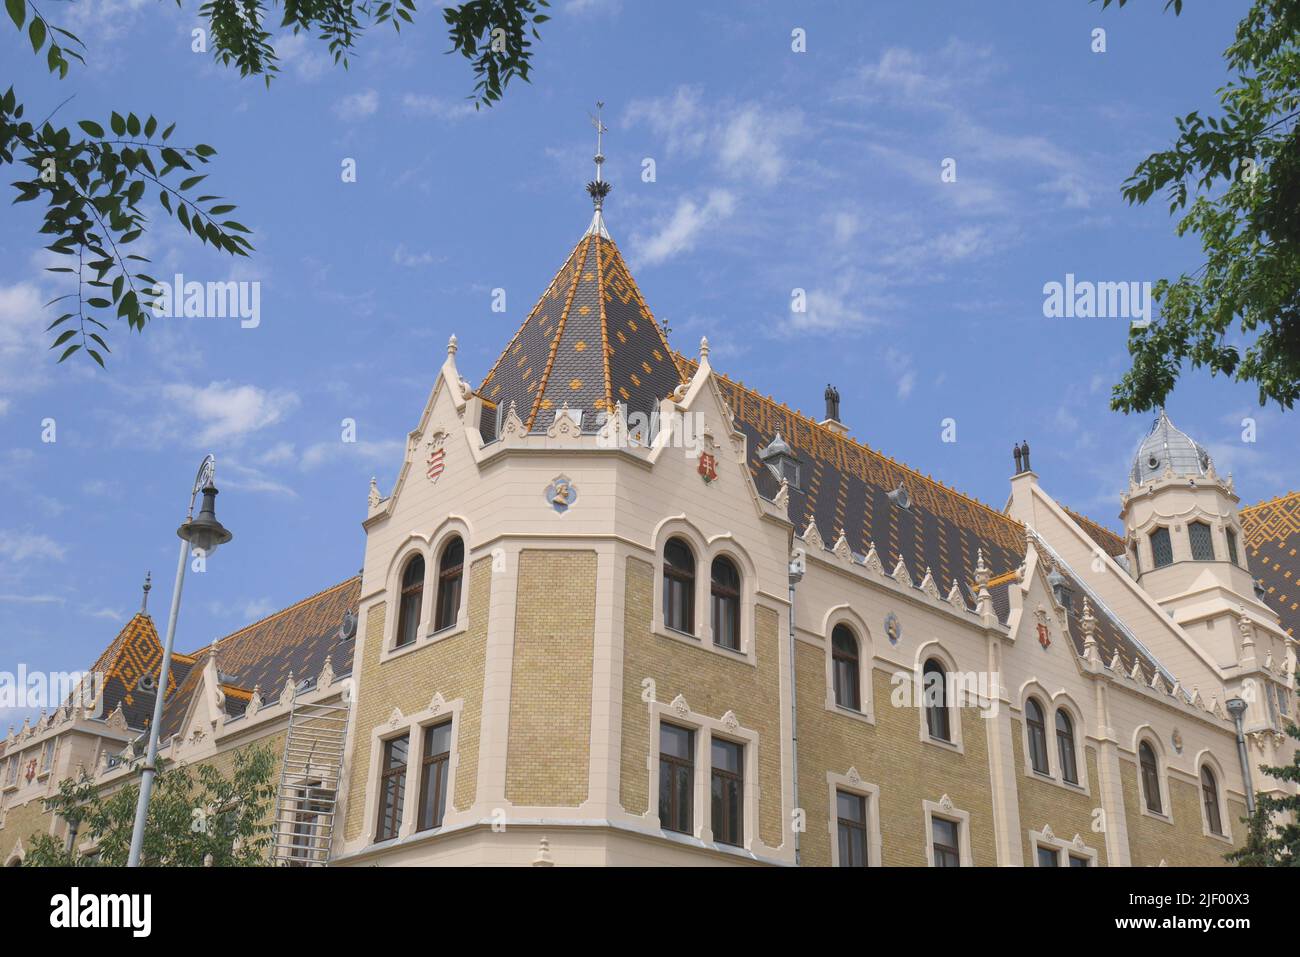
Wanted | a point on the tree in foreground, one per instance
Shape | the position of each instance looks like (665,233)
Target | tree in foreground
(1273,831)
(1238,314)
(197,816)
(94,176)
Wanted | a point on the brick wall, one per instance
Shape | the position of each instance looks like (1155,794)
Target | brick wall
(453,666)
(549,746)
(711,685)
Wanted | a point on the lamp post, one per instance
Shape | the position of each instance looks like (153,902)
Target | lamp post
(204,533)
(1237,708)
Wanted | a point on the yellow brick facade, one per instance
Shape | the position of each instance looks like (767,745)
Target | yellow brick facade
(551,674)
(452,666)
(891,755)
(1180,842)
(711,684)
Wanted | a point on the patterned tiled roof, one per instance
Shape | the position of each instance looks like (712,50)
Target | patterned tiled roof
(295,640)
(590,342)
(1272,539)
(846,485)
(134,653)
(1110,543)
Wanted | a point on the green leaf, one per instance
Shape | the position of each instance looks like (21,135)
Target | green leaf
(96,356)
(36,33)
(118,124)
(64,336)
(93,128)
(69,351)
(17,11)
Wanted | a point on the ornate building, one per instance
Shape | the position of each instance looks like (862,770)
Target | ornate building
(620,609)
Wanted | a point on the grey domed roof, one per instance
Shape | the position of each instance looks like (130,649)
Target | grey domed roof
(1166,446)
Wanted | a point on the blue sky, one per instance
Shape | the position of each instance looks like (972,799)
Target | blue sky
(774,170)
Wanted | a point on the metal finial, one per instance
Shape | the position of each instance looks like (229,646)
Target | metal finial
(601,129)
(598,188)
(144,601)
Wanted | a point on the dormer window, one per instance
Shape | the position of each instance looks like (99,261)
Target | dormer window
(781,460)
(900,496)
(1061,589)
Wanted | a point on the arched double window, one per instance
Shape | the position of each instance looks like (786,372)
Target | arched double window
(1037,736)
(451,572)
(1150,777)
(679,586)
(845,668)
(410,601)
(1210,798)
(725,600)
(934,682)
(1065,746)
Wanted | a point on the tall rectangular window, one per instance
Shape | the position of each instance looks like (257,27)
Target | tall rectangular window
(945,835)
(851,812)
(392,787)
(676,778)
(1232,546)
(1162,552)
(1049,857)
(1202,542)
(728,792)
(307,836)
(433,776)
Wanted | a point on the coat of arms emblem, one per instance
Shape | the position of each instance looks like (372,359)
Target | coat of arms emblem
(437,456)
(561,493)
(31,770)
(708,467)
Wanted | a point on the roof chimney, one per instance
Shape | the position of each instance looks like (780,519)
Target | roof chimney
(832,420)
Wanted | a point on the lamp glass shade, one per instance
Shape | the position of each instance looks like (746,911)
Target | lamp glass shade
(204,531)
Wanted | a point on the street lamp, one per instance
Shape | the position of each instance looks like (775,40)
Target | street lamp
(1237,708)
(204,533)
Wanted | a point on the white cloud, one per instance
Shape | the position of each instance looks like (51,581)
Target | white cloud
(22,337)
(226,411)
(383,452)
(427,104)
(748,141)
(405,257)
(20,546)
(683,227)
(303,53)
(357,106)
(32,599)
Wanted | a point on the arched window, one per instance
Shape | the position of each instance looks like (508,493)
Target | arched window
(1202,542)
(1150,777)
(933,688)
(1162,553)
(679,586)
(1037,736)
(408,614)
(1065,746)
(1210,798)
(451,570)
(726,604)
(844,666)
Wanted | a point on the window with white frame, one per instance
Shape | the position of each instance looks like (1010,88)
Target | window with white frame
(1149,766)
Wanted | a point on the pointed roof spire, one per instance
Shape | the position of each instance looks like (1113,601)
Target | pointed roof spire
(598,188)
(144,600)
(590,343)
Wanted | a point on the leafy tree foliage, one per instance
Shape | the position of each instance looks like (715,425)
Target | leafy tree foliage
(1238,314)
(1273,831)
(197,817)
(93,180)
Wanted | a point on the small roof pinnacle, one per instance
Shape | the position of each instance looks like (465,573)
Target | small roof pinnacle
(144,600)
